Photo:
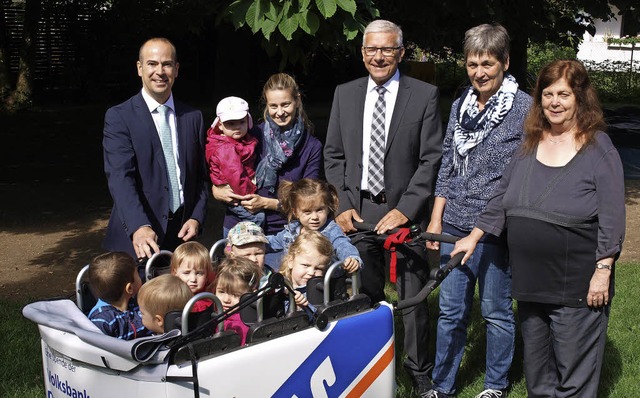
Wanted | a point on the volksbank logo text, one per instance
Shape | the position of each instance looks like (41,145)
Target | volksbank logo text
(64,387)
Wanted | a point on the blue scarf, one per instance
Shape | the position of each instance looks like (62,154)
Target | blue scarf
(473,126)
(280,146)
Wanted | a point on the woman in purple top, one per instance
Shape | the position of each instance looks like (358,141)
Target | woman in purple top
(287,151)
(561,202)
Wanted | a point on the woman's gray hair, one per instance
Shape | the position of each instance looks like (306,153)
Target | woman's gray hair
(487,39)
(383,26)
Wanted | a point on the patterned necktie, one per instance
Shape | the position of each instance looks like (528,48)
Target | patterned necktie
(376,149)
(167,148)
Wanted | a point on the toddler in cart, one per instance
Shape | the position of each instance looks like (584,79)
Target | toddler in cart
(160,296)
(114,280)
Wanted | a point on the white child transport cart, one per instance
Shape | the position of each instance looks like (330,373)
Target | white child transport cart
(345,350)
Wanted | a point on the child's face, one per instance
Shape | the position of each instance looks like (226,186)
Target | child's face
(154,323)
(312,215)
(235,129)
(307,264)
(195,278)
(253,251)
(227,298)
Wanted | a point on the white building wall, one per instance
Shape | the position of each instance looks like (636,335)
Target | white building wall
(595,48)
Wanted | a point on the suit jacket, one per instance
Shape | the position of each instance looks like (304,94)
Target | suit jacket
(412,153)
(137,173)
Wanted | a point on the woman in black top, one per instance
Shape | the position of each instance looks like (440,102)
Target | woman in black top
(561,201)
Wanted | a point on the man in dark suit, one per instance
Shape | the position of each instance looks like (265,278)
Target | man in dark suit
(382,153)
(154,161)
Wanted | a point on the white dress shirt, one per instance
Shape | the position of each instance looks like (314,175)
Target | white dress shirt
(153,105)
(390,96)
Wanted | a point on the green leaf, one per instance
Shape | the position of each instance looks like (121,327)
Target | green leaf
(348,5)
(255,16)
(238,11)
(268,27)
(273,13)
(304,5)
(327,7)
(288,25)
(350,28)
(309,22)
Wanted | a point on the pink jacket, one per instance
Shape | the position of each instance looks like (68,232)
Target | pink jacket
(232,161)
(235,323)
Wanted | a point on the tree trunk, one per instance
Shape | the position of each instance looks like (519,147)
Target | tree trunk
(22,96)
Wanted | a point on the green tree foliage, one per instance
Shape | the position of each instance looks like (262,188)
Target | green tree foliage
(441,25)
(297,28)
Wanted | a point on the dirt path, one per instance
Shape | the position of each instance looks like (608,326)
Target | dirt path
(48,232)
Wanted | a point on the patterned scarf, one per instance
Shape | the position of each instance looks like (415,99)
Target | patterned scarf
(473,126)
(280,146)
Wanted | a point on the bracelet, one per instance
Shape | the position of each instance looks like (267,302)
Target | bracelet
(279,207)
(604,266)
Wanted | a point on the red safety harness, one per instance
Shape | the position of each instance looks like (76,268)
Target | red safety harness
(390,244)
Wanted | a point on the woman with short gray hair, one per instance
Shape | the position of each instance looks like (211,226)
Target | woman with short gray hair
(485,128)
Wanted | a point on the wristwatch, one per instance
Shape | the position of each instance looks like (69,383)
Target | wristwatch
(604,266)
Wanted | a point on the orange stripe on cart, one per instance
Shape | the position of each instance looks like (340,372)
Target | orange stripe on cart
(373,373)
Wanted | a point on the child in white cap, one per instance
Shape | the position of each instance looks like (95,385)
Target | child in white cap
(231,153)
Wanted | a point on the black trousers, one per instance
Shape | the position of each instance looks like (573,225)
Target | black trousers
(563,349)
(412,274)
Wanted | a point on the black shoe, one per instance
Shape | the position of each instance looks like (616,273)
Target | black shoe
(421,384)
(435,394)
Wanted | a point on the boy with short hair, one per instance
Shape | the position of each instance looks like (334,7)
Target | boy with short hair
(114,281)
(160,296)
(247,240)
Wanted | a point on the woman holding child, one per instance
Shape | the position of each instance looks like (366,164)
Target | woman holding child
(286,151)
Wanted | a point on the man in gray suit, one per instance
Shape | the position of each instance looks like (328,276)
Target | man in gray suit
(382,153)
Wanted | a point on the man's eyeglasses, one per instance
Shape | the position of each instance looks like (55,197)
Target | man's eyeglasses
(386,51)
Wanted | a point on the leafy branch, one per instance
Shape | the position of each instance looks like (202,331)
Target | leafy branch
(294,28)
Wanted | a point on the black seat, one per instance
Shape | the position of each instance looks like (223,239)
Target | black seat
(158,264)
(277,327)
(217,344)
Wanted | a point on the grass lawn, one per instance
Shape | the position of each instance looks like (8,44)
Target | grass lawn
(21,367)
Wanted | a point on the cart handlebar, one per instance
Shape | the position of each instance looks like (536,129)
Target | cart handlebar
(415,233)
(436,276)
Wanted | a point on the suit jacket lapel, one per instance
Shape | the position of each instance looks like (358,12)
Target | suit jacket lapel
(404,94)
(360,96)
(149,127)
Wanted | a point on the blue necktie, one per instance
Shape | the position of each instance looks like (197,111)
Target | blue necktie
(376,149)
(167,147)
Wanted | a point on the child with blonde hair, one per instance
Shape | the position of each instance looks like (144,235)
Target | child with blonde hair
(309,255)
(191,263)
(310,205)
(236,276)
(160,296)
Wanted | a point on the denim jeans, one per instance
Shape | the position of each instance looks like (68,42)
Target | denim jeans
(489,266)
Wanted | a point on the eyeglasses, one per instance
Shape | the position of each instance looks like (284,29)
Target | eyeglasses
(386,51)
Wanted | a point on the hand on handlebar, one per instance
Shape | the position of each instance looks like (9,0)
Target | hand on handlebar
(393,219)
(345,220)
(351,265)
(300,299)
(468,244)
